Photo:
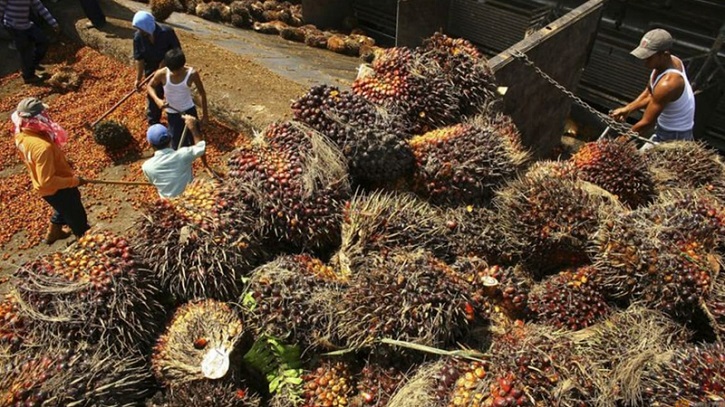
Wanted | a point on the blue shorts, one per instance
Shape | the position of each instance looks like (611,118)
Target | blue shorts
(663,135)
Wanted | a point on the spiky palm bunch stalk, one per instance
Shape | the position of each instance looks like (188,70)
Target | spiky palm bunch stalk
(618,167)
(465,66)
(714,306)
(201,243)
(96,291)
(204,393)
(383,221)
(638,262)
(476,231)
(371,139)
(622,345)
(684,164)
(404,296)
(690,374)
(162,9)
(549,219)
(431,384)
(413,85)
(290,298)
(463,163)
(200,343)
(296,181)
(570,299)
(79,375)
(112,134)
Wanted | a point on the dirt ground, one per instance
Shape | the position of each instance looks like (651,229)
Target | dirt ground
(243,94)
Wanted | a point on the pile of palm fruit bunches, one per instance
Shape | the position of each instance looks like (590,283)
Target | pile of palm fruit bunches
(392,246)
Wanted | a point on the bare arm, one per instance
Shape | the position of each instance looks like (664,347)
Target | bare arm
(139,74)
(668,89)
(196,80)
(640,102)
(158,79)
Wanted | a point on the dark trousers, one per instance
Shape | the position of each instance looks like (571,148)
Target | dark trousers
(153,113)
(32,44)
(176,128)
(68,210)
(94,13)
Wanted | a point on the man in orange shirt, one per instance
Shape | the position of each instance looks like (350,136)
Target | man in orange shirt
(39,139)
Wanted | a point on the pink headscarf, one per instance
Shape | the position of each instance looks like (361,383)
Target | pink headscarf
(40,123)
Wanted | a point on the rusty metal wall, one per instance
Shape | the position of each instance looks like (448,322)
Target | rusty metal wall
(560,49)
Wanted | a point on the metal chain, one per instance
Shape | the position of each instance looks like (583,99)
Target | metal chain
(617,126)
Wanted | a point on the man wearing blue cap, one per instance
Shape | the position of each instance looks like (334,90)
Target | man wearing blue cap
(170,170)
(151,41)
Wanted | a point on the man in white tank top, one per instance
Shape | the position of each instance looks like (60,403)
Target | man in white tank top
(668,100)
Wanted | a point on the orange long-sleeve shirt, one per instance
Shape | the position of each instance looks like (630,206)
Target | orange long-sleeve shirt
(46,163)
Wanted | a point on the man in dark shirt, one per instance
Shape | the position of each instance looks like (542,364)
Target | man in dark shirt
(150,43)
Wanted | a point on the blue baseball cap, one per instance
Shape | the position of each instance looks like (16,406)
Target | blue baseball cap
(157,135)
(144,21)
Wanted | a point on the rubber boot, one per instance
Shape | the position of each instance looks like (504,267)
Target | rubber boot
(56,232)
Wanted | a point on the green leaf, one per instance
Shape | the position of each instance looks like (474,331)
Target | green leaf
(249,302)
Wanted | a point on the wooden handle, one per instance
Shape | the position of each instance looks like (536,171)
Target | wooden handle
(108,182)
(119,103)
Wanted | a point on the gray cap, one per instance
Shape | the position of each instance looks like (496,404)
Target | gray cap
(654,41)
(30,107)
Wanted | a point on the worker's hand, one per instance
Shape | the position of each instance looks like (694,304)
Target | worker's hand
(82,181)
(620,114)
(189,120)
(137,84)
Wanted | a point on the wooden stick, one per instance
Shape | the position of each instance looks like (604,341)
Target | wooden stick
(113,182)
(114,107)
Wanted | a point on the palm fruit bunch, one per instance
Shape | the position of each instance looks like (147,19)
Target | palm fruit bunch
(475,231)
(296,181)
(532,365)
(618,167)
(383,221)
(240,14)
(548,219)
(12,331)
(79,375)
(162,9)
(200,343)
(714,306)
(494,289)
(287,299)
(688,375)
(329,384)
(200,243)
(638,262)
(465,67)
(66,79)
(112,135)
(376,383)
(463,163)
(95,291)
(409,296)
(472,376)
(212,11)
(413,85)
(430,385)
(372,140)
(684,164)
(570,299)
(202,393)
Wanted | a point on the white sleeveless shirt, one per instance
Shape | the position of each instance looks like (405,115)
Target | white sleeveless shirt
(678,115)
(178,95)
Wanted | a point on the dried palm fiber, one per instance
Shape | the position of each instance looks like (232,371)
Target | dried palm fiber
(204,393)
(619,168)
(430,385)
(65,79)
(465,67)
(641,258)
(684,164)
(693,374)
(12,329)
(329,383)
(549,219)
(571,299)
(289,298)
(95,291)
(463,163)
(713,305)
(383,221)
(475,231)
(200,243)
(70,376)
(240,14)
(371,138)
(296,181)
(413,85)
(112,135)
(622,345)
(200,343)
(162,9)
(408,296)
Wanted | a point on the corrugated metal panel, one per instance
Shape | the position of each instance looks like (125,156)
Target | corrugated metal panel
(493,25)
(378,18)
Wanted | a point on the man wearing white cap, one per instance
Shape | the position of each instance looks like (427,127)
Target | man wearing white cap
(668,99)
(150,43)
